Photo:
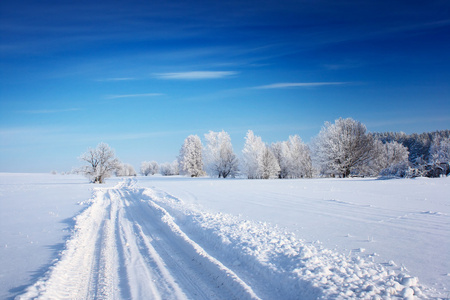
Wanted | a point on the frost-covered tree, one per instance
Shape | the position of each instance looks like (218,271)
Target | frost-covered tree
(281,152)
(149,168)
(145,168)
(386,155)
(439,160)
(342,147)
(252,155)
(125,170)
(268,167)
(101,163)
(154,167)
(258,161)
(190,160)
(169,169)
(219,156)
(299,158)
(293,157)
(418,144)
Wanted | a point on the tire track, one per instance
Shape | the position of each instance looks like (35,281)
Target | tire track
(181,268)
(86,267)
(124,247)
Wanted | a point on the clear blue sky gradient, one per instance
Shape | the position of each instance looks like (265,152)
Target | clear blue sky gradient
(143,75)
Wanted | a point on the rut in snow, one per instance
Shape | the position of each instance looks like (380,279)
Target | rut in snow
(126,248)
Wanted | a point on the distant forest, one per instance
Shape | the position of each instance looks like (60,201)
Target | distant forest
(418,145)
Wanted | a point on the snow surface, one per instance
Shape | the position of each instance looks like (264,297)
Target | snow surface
(36,212)
(177,237)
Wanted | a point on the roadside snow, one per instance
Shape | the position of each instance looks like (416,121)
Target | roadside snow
(36,213)
(280,266)
(402,223)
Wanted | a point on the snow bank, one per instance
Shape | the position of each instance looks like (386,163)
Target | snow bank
(402,223)
(280,266)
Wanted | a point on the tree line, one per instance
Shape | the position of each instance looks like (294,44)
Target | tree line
(341,149)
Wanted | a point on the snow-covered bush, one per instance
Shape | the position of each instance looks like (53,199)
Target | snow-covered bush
(190,160)
(420,167)
(149,168)
(101,161)
(169,169)
(402,169)
(219,156)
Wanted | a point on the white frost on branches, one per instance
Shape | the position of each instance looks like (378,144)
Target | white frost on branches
(190,160)
(294,158)
(268,167)
(149,168)
(343,147)
(219,156)
(101,161)
(125,170)
(251,155)
(169,169)
(387,155)
(258,160)
(440,157)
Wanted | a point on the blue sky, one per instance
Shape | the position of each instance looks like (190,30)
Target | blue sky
(143,75)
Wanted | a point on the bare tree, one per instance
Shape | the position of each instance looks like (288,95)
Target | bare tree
(101,163)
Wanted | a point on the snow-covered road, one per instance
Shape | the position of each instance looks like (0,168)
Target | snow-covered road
(125,246)
(141,243)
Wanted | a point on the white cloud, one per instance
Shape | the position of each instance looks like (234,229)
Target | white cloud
(116,79)
(48,111)
(134,95)
(297,84)
(195,75)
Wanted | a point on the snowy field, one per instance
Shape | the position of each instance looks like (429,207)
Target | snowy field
(176,237)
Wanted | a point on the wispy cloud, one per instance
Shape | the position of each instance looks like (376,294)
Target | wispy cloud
(116,79)
(48,111)
(133,95)
(195,75)
(297,84)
